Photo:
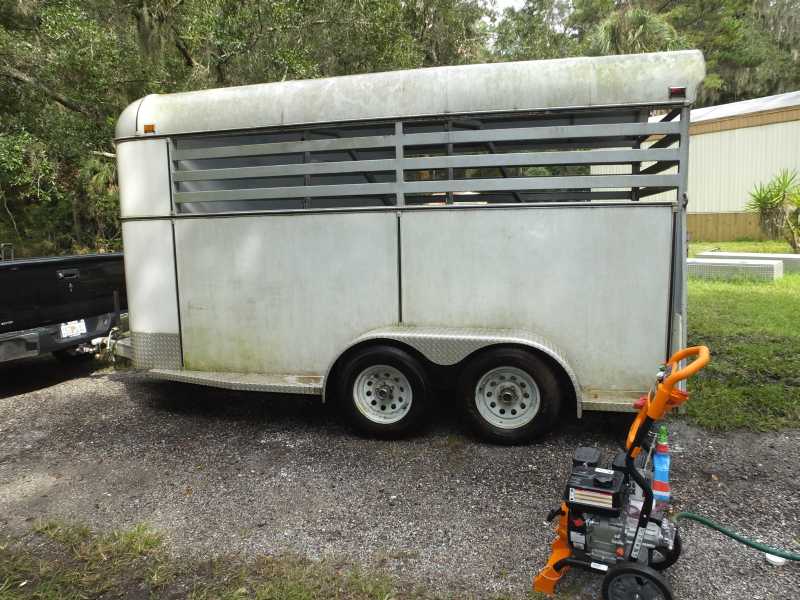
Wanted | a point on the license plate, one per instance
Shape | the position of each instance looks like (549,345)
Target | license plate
(73,328)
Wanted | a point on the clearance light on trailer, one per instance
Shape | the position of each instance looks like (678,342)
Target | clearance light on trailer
(677,92)
(149,127)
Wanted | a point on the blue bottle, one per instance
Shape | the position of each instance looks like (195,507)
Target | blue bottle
(661,460)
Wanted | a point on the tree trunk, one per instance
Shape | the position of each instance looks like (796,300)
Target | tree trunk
(77,234)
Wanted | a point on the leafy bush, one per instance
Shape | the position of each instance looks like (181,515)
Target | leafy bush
(778,206)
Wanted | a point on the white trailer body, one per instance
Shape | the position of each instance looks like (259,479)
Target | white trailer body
(271,231)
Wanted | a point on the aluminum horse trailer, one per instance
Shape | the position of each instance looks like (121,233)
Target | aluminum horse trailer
(369,237)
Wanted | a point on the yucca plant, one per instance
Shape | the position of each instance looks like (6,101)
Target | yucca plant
(777,204)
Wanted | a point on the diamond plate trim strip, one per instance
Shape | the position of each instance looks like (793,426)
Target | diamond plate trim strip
(244,382)
(156,350)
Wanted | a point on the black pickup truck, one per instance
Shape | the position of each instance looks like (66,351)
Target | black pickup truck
(58,304)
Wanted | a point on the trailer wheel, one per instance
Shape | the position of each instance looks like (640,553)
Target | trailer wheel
(383,390)
(511,395)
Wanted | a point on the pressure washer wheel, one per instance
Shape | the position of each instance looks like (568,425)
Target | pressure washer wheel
(662,557)
(634,581)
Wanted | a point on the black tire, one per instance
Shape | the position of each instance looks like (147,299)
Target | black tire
(662,558)
(71,356)
(367,420)
(623,581)
(550,395)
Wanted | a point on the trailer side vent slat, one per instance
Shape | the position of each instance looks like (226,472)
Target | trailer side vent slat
(479,159)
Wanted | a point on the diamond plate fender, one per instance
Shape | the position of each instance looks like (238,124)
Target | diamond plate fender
(448,346)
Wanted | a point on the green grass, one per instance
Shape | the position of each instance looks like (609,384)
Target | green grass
(66,561)
(769,246)
(63,561)
(753,331)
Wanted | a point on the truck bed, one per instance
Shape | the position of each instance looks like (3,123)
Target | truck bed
(37,295)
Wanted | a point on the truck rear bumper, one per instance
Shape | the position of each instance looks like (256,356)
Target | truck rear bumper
(41,340)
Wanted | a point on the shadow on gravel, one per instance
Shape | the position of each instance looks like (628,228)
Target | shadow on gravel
(187,400)
(445,419)
(32,374)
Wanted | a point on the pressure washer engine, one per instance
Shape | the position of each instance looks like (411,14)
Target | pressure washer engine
(608,521)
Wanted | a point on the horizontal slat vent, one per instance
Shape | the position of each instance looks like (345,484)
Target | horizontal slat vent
(509,159)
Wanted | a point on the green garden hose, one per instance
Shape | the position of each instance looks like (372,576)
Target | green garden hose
(739,538)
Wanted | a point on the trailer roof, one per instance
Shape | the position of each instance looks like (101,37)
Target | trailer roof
(635,79)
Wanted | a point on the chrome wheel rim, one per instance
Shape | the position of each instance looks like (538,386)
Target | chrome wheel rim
(634,587)
(507,397)
(382,394)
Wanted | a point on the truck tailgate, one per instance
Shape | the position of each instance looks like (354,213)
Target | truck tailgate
(43,291)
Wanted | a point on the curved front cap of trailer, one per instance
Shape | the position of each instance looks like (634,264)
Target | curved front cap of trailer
(663,78)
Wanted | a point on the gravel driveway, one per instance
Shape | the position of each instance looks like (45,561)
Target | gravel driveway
(223,472)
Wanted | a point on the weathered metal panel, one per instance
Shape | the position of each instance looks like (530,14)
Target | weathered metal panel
(496,87)
(150,276)
(591,279)
(283,293)
(143,171)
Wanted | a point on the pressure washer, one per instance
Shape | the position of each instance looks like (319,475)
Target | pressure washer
(613,519)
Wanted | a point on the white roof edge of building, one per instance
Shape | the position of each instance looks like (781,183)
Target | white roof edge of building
(746,107)
(633,79)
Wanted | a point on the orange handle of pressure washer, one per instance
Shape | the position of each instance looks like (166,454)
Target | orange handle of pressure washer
(666,396)
(703,357)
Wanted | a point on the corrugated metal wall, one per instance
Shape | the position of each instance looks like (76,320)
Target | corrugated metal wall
(725,165)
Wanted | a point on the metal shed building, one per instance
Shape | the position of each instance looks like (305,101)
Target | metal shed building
(734,147)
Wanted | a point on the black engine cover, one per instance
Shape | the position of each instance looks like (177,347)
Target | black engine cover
(592,489)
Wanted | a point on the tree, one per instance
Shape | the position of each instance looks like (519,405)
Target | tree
(777,204)
(632,30)
(69,67)
(750,46)
(535,31)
